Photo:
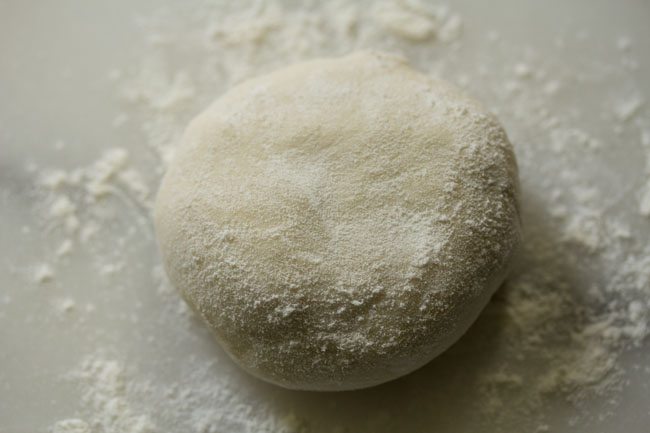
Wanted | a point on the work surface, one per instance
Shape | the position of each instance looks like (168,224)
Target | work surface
(93,99)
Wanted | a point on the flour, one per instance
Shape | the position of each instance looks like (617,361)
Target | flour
(575,305)
(214,405)
(417,21)
(43,273)
(72,425)
(106,395)
(627,108)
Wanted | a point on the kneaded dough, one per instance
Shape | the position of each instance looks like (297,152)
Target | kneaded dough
(340,222)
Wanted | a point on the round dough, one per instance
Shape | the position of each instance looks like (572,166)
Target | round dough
(340,222)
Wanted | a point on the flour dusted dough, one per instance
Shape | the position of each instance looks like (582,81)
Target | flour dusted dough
(340,222)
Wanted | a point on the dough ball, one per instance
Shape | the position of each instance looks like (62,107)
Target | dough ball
(340,222)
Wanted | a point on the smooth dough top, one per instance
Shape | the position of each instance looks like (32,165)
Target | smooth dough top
(340,222)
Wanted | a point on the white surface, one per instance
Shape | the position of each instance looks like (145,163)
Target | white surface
(54,66)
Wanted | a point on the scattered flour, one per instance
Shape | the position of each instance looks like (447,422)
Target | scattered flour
(418,21)
(626,109)
(105,394)
(72,425)
(65,306)
(43,273)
